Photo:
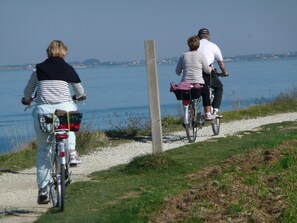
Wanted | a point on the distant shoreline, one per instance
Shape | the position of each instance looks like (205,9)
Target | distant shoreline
(96,63)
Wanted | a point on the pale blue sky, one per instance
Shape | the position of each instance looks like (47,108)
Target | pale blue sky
(115,30)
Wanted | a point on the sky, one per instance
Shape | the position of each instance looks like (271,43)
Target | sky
(115,30)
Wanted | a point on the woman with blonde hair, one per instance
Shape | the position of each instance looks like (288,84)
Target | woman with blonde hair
(50,83)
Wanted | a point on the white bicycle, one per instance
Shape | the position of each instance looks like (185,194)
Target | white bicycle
(58,125)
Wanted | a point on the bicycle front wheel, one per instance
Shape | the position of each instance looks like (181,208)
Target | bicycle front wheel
(215,124)
(191,127)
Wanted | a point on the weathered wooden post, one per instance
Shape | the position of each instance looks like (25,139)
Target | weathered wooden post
(153,91)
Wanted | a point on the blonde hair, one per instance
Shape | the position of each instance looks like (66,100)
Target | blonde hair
(57,49)
(193,43)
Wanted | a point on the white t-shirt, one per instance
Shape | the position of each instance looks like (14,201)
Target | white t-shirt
(210,50)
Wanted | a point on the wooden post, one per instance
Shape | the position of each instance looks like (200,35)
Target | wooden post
(153,91)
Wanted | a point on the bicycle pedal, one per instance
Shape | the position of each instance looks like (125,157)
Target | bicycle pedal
(68,181)
(73,164)
(200,122)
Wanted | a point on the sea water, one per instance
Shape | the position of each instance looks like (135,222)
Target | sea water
(117,93)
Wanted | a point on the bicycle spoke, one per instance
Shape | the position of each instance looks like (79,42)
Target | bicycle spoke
(53,194)
(191,127)
(62,188)
(60,179)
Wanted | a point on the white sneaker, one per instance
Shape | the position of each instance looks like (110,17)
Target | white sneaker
(209,117)
(42,196)
(74,159)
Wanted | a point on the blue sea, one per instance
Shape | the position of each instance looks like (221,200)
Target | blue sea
(117,93)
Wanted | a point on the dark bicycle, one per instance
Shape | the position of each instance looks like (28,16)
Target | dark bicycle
(193,108)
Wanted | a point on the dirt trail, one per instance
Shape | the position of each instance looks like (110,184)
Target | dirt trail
(18,191)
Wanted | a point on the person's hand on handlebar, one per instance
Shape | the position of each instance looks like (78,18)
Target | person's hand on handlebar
(215,73)
(80,98)
(26,101)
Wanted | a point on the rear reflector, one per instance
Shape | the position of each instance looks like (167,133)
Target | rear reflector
(62,154)
(62,136)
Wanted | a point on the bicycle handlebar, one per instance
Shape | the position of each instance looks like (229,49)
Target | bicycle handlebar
(26,102)
(81,98)
(215,73)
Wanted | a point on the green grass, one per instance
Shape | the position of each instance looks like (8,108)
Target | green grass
(273,108)
(17,161)
(138,191)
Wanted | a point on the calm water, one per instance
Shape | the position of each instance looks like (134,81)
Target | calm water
(115,93)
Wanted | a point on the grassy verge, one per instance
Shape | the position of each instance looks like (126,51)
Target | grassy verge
(250,178)
(17,161)
(279,105)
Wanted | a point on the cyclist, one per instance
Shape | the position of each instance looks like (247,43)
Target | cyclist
(192,64)
(212,52)
(50,82)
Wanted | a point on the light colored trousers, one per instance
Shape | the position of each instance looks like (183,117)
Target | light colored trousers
(43,163)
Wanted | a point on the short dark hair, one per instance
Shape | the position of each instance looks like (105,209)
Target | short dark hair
(193,43)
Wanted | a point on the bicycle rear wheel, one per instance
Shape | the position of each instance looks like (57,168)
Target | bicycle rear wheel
(61,190)
(53,194)
(53,183)
(191,127)
(216,124)
(57,187)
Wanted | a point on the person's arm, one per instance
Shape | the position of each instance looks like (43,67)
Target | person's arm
(219,58)
(179,67)
(30,88)
(223,68)
(78,90)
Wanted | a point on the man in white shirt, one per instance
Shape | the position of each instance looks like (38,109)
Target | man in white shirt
(212,52)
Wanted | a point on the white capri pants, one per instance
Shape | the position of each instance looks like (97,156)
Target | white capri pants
(43,163)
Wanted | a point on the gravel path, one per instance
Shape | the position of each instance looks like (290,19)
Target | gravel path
(18,191)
